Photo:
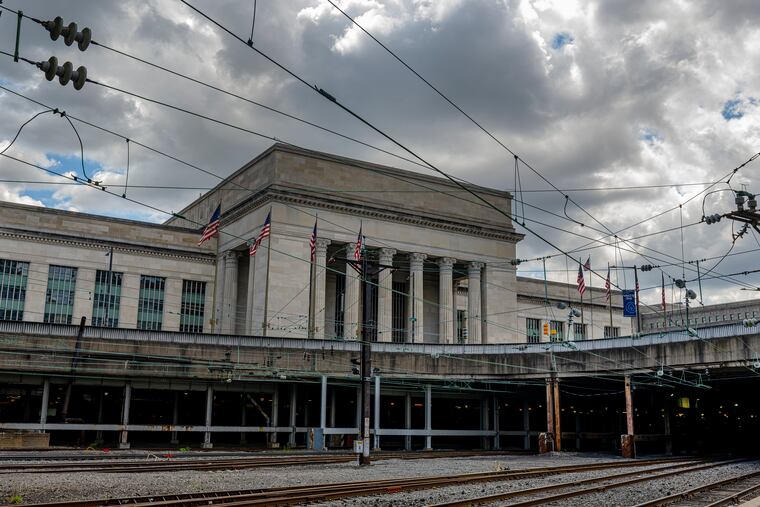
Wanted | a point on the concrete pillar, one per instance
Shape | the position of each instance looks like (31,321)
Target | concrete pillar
(334,439)
(376,442)
(526,425)
(84,294)
(243,417)
(385,297)
(172,304)
(293,413)
(428,418)
(219,287)
(666,429)
(474,324)
(274,420)
(416,298)
(484,422)
(230,292)
(445,300)
(352,305)
(323,404)
(36,290)
(408,421)
(319,287)
(496,423)
(44,404)
(209,412)
(175,419)
(123,437)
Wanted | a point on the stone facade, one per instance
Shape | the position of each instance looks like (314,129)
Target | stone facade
(439,260)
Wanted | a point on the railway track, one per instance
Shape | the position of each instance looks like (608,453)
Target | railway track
(324,492)
(208,464)
(723,492)
(565,490)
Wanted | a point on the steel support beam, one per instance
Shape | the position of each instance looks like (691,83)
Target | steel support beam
(123,437)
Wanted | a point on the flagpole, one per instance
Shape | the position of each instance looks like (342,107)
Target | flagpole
(638,311)
(265,323)
(610,289)
(583,324)
(591,302)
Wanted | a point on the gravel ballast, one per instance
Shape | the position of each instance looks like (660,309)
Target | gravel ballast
(48,487)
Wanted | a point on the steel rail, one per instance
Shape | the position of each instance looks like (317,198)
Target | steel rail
(728,500)
(578,492)
(206,463)
(294,494)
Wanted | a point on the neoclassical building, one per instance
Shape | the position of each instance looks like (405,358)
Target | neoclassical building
(438,261)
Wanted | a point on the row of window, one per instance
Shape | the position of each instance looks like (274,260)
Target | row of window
(556,329)
(705,320)
(106,298)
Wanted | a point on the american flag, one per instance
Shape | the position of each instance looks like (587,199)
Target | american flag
(587,266)
(663,291)
(212,229)
(265,230)
(607,285)
(581,281)
(313,242)
(358,247)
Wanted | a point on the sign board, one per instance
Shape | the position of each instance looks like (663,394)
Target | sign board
(629,303)
(358,446)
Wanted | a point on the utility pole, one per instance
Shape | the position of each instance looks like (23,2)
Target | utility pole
(366,364)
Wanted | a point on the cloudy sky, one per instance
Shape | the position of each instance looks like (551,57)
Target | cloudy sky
(598,95)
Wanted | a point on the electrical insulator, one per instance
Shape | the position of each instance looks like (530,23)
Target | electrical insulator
(647,267)
(70,33)
(752,203)
(64,72)
(515,262)
(712,219)
(680,284)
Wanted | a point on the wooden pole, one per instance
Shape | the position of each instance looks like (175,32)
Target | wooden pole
(557,412)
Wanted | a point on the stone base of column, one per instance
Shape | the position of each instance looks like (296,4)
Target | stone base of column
(124,445)
(545,442)
(628,446)
(207,445)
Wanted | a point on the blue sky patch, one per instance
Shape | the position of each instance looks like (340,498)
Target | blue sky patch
(650,136)
(562,39)
(732,109)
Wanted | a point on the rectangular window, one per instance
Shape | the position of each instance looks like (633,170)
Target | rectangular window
(461,326)
(107,299)
(556,330)
(611,331)
(533,330)
(340,302)
(59,299)
(579,331)
(150,307)
(192,312)
(13,279)
(399,300)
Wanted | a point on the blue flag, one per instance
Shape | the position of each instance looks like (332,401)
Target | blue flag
(629,303)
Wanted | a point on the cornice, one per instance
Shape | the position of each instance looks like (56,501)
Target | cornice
(96,244)
(272,194)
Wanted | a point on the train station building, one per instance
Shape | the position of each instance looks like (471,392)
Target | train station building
(124,331)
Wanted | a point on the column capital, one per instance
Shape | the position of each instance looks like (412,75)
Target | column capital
(322,243)
(387,253)
(231,254)
(474,267)
(446,262)
(417,257)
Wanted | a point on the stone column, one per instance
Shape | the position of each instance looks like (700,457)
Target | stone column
(219,295)
(416,298)
(249,308)
(229,302)
(274,421)
(473,302)
(209,413)
(496,423)
(351,300)
(323,403)
(385,297)
(445,301)
(293,413)
(319,284)
(408,421)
